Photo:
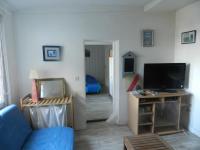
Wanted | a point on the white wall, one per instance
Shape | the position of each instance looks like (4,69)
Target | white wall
(95,64)
(70,30)
(9,51)
(187,19)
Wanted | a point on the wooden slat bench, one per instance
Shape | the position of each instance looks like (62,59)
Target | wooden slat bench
(145,142)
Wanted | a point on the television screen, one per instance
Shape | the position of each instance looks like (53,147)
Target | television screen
(164,76)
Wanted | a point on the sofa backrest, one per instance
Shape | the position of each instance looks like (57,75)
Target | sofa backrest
(13,128)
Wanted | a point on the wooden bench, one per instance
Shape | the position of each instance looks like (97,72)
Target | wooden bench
(145,142)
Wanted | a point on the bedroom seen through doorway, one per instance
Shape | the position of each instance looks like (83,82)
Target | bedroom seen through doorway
(99,81)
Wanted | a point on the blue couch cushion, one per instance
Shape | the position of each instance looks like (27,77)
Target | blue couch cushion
(13,128)
(58,138)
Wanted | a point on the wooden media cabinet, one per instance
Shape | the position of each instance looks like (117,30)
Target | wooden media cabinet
(160,113)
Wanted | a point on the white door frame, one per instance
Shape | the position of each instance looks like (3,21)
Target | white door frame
(114,118)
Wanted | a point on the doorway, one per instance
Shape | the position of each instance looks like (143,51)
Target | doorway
(99,83)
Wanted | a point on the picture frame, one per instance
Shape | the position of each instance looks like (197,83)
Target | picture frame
(188,37)
(51,53)
(148,38)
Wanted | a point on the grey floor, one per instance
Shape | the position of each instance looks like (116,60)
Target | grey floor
(102,136)
(98,106)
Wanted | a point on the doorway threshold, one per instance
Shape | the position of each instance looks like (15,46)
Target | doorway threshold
(96,120)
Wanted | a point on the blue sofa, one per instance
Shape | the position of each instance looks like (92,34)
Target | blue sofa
(16,134)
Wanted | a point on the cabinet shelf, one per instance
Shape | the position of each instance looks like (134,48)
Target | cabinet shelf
(145,129)
(166,124)
(145,109)
(146,103)
(149,100)
(145,114)
(165,129)
(169,132)
(185,105)
(145,124)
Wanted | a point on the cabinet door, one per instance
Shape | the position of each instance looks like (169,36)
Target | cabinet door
(166,116)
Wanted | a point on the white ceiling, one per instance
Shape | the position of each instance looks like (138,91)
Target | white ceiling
(170,5)
(31,4)
(155,5)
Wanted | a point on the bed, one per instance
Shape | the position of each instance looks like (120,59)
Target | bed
(92,85)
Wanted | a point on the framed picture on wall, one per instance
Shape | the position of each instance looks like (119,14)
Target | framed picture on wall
(51,53)
(188,37)
(148,38)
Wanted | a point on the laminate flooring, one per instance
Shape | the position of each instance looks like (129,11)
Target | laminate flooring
(98,106)
(103,136)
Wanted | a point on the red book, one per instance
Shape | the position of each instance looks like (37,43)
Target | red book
(133,83)
(34,92)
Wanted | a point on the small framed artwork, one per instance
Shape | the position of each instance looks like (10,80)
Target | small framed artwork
(148,38)
(51,53)
(188,37)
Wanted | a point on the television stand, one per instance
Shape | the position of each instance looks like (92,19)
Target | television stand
(161,113)
(166,90)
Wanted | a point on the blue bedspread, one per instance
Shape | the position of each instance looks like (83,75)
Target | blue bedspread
(92,85)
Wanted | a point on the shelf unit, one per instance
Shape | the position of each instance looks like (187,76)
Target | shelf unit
(26,102)
(159,113)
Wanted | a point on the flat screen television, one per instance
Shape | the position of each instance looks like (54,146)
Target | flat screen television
(164,76)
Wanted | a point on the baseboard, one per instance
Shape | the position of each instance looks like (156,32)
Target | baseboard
(195,131)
